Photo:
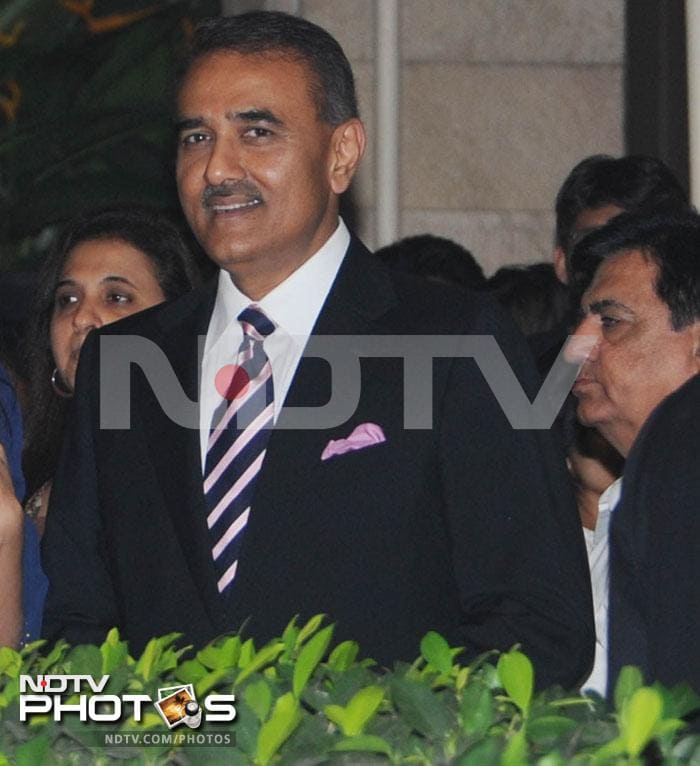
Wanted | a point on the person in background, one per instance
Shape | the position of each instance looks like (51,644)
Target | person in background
(535,298)
(106,265)
(598,189)
(595,191)
(437,258)
(594,466)
(637,343)
(16,292)
(23,583)
(601,187)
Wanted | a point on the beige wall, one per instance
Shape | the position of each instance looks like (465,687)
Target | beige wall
(500,98)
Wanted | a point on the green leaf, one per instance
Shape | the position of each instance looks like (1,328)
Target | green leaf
(53,657)
(115,653)
(342,657)
(367,743)
(10,662)
(290,633)
(336,714)
(158,656)
(223,656)
(309,629)
(289,637)
(190,671)
(486,753)
(247,653)
(361,709)
(609,750)
(436,652)
(265,656)
(423,710)
(679,701)
(258,696)
(85,660)
(357,713)
(552,759)
(211,681)
(309,657)
(476,709)
(517,676)
(27,649)
(274,733)
(34,751)
(515,753)
(629,680)
(639,717)
(549,727)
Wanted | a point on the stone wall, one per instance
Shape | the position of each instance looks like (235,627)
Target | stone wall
(500,98)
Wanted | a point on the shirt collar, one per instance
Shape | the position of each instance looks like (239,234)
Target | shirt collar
(606,505)
(295,303)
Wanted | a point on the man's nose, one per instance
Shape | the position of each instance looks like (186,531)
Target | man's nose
(583,342)
(224,164)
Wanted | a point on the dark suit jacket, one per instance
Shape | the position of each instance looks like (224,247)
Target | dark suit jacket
(469,529)
(655,548)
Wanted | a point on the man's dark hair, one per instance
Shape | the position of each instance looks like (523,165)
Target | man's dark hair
(672,242)
(636,183)
(535,298)
(436,258)
(284,35)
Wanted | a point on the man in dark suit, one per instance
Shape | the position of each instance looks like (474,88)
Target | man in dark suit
(467,526)
(639,344)
(655,585)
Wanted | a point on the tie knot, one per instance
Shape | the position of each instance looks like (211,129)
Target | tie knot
(255,324)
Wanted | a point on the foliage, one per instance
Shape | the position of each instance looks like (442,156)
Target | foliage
(299,703)
(85,110)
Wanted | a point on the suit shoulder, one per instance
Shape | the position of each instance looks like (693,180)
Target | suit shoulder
(163,318)
(670,434)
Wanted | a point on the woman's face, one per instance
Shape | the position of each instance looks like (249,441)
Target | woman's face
(102,280)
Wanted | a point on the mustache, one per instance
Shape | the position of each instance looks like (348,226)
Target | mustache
(243,188)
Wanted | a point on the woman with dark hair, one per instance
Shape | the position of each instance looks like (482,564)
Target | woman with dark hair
(106,265)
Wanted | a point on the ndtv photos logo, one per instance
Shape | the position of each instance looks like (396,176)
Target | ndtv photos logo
(84,696)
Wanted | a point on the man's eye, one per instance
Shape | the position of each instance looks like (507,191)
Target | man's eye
(257,132)
(608,322)
(193,138)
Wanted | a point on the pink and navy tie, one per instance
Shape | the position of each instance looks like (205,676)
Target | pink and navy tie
(237,446)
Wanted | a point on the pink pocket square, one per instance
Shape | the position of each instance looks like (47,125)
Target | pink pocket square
(365,435)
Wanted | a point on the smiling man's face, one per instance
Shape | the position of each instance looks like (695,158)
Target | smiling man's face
(636,358)
(255,164)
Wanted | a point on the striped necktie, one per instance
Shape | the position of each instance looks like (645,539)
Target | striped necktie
(237,445)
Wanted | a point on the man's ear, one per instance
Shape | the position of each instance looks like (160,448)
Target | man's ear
(347,148)
(696,344)
(559,258)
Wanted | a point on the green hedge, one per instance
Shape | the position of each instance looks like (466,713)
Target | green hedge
(299,701)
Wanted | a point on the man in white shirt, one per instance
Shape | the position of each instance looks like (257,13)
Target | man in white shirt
(637,343)
(389,530)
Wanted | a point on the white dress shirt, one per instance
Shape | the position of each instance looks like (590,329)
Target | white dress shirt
(293,306)
(598,546)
